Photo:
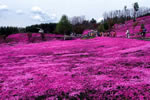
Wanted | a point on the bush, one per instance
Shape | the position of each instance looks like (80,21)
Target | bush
(6,31)
(135,24)
(29,36)
(101,28)
(142,26)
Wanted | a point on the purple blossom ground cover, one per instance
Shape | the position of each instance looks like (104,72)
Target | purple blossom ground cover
(121,28)
(100,68)
(23,37)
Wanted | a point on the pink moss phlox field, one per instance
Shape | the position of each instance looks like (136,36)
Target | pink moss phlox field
(23,38)
(94,69)
(85,32)
(121,28)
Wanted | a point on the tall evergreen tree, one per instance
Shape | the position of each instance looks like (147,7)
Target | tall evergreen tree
(93,21)
(101,28)
(136,8)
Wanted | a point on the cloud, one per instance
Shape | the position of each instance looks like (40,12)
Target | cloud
(3,7)
(100,19)
(37,9)
(37,17)
(19,12)
(54,16)
(42,16)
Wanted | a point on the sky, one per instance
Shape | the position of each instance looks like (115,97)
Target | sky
(23,13)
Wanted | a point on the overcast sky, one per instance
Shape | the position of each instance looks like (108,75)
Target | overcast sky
(27,12)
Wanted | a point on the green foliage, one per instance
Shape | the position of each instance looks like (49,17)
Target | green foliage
(142,26)
(6,31)
(135,24)
(93,21)
(101,28)
(91,37)
(48,28)
(64,26)
(79,28)
(125,8)
(136,6)
(32,29)
(106,25)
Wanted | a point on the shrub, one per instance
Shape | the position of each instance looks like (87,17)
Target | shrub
(6,31)
(101,28)
(135,24)
(29,36)
(142,26)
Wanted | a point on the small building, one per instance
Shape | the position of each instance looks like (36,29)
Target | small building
(41,30)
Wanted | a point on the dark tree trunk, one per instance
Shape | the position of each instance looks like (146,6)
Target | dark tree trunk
(134,16)
(5,38)
(43,36)
(29,36)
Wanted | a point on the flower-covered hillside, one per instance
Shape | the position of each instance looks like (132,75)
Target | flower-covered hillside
(23,38)
(121,28)
(99,68)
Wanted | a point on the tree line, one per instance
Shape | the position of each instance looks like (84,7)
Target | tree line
(121,16)
(47,27)
(6,31)
(78,24)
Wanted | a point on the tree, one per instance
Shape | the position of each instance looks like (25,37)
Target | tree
(80,27)
(77,20)
(125,9)
(142,26)
(93,21)
(136,8)
(106,26)
(47,27)
(101,28)
(6,31)
(64,26)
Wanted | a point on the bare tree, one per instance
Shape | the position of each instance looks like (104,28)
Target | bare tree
(77,20)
